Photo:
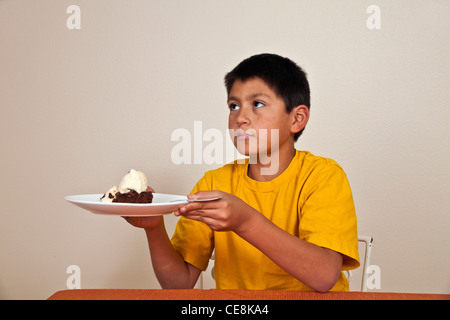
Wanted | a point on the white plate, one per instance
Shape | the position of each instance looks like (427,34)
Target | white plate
(161,205)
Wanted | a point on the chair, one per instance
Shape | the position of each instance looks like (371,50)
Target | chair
(365,264)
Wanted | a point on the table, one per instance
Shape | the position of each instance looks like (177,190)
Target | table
(213,294)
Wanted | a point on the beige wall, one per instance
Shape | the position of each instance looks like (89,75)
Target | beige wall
(81,107)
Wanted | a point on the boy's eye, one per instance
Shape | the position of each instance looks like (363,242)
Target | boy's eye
(258,104)
(233,106)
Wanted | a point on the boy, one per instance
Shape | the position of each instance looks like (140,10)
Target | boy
(293,228)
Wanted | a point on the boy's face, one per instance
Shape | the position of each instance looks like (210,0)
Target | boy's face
(257,114)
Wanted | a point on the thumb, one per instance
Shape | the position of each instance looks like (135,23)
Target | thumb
(205,194)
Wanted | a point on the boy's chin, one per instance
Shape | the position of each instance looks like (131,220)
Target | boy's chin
(246,151)
(252,154)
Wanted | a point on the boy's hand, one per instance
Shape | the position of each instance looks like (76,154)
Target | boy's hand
(144,222)
(229,213)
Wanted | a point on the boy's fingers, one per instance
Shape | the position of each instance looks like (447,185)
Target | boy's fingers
(196,206)
(189,208)
(191,214)
(198,215)
(196,210)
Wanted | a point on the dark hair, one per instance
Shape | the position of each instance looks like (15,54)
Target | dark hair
(282,75)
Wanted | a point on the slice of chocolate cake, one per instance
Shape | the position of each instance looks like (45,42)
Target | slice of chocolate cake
(134,197)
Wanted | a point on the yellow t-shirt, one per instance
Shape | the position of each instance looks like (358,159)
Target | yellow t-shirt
(311,199)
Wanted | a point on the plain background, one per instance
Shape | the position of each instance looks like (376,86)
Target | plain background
(79,108)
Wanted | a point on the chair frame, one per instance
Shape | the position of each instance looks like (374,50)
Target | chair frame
(368,241)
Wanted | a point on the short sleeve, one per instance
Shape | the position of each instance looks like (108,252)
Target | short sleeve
(194,240)
(327,213)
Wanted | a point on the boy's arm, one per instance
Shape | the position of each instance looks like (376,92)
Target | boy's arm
(170,269)
(317,267)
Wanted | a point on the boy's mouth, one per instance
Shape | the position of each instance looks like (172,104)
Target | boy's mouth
(247,134)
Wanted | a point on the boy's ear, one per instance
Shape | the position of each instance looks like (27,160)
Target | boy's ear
(300,117)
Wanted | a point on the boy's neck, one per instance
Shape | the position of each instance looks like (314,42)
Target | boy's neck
(282,162)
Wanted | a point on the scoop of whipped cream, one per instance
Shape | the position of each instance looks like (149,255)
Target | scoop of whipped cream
(110,194)
(133,180)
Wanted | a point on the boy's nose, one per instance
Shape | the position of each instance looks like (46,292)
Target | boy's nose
(243,117)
